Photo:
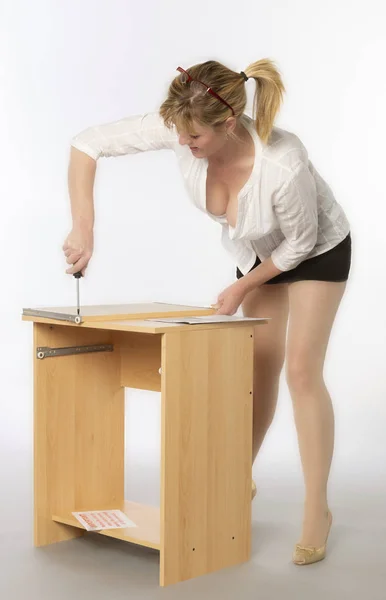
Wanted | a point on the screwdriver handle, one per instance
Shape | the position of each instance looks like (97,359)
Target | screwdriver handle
(78,275)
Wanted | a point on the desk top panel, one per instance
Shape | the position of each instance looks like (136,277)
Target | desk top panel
(114,312)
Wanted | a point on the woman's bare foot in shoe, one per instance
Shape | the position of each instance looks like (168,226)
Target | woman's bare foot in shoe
(315,526)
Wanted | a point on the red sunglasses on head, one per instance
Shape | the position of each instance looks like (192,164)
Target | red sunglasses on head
(208,89)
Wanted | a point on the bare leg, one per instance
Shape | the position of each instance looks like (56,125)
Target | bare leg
(267,301)
(313,307)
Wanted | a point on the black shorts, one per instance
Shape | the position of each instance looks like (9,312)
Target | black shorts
(333,265)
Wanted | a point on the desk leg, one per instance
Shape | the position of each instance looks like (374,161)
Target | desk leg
(78,430)
(206,471)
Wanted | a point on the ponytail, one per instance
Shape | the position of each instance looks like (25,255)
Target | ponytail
(268,95)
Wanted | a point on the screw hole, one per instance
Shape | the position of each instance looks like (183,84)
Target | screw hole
(193,549)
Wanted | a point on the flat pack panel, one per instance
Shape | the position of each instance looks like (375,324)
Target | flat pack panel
(206,467)
(112,312)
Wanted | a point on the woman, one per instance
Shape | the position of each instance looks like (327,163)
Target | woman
(288,236)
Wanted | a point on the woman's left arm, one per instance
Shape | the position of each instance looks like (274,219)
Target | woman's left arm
(297,213)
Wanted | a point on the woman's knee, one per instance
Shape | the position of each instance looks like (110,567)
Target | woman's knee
(302,374)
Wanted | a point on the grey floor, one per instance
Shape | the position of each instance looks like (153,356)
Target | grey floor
(96,568)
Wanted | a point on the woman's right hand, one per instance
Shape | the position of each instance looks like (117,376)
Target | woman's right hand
(78,248)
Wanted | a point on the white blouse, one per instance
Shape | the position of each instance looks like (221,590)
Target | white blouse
(286,211)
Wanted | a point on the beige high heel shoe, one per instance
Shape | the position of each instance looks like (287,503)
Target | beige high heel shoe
(306,555)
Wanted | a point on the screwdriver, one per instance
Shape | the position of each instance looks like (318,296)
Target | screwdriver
(77,276)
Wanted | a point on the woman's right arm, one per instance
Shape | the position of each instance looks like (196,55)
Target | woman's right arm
(79,244)
(131,135)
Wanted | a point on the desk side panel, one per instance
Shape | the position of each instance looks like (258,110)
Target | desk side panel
(78,429)
(206,471)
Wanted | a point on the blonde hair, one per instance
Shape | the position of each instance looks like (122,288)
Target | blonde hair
(188,102)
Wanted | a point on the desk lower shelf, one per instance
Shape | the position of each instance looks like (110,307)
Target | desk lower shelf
(147,518)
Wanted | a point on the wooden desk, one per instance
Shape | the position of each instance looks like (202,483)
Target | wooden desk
(205,375)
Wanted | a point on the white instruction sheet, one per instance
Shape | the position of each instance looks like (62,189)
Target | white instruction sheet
(97,520)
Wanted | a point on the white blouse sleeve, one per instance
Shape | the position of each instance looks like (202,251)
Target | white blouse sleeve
(297,213)
(130,135)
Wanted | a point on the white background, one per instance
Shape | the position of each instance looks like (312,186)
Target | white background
(67,65)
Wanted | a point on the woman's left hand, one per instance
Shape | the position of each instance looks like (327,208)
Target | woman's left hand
(230,299)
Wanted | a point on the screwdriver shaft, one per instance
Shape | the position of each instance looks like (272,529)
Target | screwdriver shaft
(77,276)
(77,297)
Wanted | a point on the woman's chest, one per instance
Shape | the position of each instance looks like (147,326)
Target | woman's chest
(231,197)
(223,187)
